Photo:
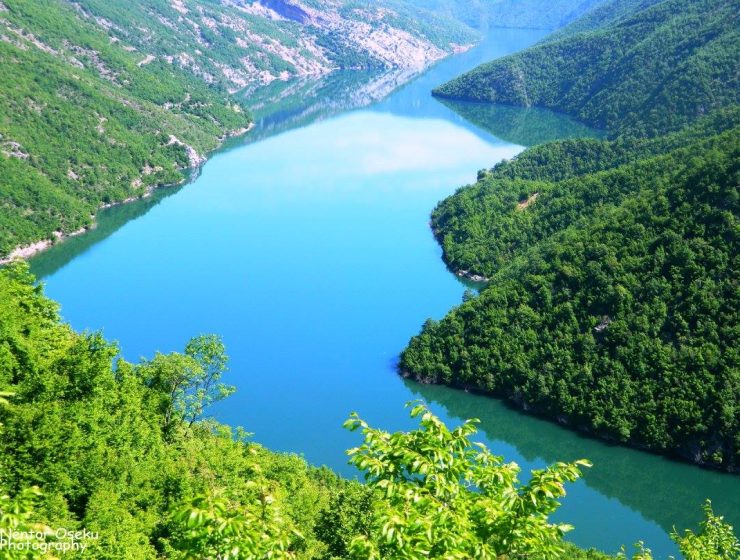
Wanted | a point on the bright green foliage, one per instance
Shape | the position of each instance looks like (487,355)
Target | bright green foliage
(612,303)
(443,496)
(188,383)
(345,518)
(94,439)
(17,515)
(215,528)
(714,541)
(637,69)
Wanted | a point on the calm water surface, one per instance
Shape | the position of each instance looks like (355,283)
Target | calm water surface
(307,247)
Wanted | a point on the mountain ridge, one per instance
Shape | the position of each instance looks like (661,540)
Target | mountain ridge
(645,70)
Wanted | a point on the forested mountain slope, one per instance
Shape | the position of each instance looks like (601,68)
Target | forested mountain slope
(102,101)
(83,123)
(536,14)
(608,12)
(551,187)
(643,70)
(612,303)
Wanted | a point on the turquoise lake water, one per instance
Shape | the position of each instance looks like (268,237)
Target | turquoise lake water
(306,246)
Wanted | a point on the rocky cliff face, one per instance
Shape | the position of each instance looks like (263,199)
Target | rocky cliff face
(241,43)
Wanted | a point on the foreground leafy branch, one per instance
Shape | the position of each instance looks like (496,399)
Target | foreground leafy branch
(443,496)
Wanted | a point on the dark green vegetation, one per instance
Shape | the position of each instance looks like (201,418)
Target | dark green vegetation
(605,13)
(612,303)
(634,71)
(612,300)
(122,450)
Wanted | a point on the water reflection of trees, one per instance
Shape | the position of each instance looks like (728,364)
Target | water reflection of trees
(108,221)
(665,491)
(525,126)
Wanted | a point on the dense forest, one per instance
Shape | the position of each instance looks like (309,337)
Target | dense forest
(632,70)
(611,297)
(92,442)
(612,302)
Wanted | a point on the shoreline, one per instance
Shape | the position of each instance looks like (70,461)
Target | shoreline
(682,456)
(25,252)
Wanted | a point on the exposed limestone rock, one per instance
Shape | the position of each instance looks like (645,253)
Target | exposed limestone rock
(26,251)
(13,149)
(30,38)
(93,59)
(147,59)
(194,158)
(179,6)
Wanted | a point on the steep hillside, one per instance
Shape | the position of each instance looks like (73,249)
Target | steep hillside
(644,73)
(239,43)
(612,302)
(484,226)
(102,101)
(536,14)
(84,123)
(605,13)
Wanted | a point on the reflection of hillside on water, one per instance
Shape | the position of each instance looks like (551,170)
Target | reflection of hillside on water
(281,106)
